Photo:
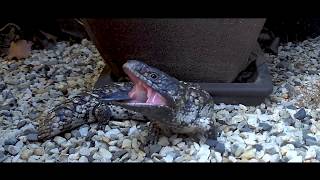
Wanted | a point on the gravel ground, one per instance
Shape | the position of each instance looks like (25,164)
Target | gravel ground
(285,128)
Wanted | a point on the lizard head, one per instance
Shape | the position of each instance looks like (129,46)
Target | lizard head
(154,92)
(161,97)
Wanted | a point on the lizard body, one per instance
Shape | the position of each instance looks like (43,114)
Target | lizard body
(152,95)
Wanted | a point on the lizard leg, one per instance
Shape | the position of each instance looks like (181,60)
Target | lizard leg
(102,114)
(213,133)
(66,116)
(154,133)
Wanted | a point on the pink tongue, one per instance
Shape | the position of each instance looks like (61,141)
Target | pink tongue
(143,94)
(138,93)
(155,98)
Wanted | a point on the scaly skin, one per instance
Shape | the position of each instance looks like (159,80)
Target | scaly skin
(86,108)
(188,108)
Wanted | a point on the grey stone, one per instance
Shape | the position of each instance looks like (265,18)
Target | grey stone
(83,159)
(318,155)
(72,151)
(291,90)
(118,154)
(90,158)
(289,121)
(92,143)
(49,146)
(311,141)
(30,130)
(245,128)
(301,114)
(211,142)
(133,131)
(237,149)
(203,153)
(25,154)
(155,148)
(163,141)
(2,156)
(258,147)
(168,158)
(270,149)
(31,76)
(38,151)
(126,143)
(32,137)
(21,124)
(265,126)
(33,115)
(11,141)
(59,140)
(307,121)
(84,131)
(163,152)
(297,144)
(84,151)
(105,153)
(13,150)
(76,133)
(113,134)
(54,151)
(219,147)
(291,107)
(90,135)
(175,141)
(67,135)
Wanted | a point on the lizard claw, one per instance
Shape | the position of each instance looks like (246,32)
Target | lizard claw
(154,133)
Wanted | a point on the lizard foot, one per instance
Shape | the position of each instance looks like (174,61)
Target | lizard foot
(154,132)
(102,114)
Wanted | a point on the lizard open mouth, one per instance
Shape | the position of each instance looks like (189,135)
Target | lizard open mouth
(143,93)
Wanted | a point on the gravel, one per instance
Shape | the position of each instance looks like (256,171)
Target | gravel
(301,114)
(11,141)
(2,156)
(163,141)
(284,128)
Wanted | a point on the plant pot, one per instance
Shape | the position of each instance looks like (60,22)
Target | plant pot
(195,50)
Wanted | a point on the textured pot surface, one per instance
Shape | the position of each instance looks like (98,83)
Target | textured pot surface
(196,50)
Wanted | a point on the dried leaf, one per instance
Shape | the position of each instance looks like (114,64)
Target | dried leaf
(20,49)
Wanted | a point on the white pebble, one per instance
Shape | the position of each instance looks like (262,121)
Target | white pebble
(105,154)
(296,159)
(83,159)
(310,154)
(218,156)
(59,140)
(168,158)
(126,144)
(133,131)
(84,131)
(291,154)
(164,151)
(203,153)
(243,107)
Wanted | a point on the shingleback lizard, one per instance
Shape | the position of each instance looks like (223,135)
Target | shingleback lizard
(173,106)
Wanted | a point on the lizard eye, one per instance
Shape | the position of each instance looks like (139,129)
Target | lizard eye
(153,75)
